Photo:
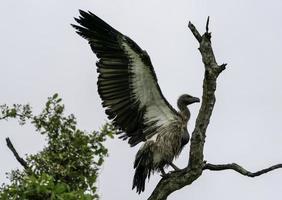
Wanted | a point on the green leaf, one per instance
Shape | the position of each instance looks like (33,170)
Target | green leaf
(55,96)
(60,188)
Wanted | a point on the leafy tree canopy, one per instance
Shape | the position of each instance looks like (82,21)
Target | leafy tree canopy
(67,167)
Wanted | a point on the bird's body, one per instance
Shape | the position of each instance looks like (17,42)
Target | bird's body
(128,86)
(158,151)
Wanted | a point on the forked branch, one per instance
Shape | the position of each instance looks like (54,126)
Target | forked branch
(178,179)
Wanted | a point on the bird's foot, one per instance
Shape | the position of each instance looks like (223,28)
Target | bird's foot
(163,174)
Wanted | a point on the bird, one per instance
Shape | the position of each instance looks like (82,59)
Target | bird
(129,90)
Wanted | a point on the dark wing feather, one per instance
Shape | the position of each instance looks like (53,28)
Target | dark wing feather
(127,83)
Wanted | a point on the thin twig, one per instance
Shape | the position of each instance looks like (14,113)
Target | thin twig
(19,159)
(4,117)
(240,169)
(207,24)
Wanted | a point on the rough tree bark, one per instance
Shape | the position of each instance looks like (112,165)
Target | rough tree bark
(180,178)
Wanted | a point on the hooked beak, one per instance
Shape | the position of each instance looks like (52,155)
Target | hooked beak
(196,100)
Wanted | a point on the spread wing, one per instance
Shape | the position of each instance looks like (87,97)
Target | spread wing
(127,83)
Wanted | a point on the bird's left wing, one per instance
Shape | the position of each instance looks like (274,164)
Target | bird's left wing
(127,83)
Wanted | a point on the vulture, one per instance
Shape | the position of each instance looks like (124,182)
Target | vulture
(128,87)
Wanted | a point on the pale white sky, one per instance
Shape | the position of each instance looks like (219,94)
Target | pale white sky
(41,55)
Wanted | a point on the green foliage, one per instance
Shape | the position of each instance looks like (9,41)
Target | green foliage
(42,187)
(22,112)
(67,167)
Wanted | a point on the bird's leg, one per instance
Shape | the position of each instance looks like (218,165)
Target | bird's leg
(174,166)
(163,174)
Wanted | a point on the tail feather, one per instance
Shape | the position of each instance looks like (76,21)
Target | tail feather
(141,173)
(143,167)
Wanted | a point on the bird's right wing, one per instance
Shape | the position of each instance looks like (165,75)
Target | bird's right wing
(127,83)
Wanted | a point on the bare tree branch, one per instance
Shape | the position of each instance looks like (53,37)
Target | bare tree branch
(240,169)
(195,31)
(19,159)
(207,24)
(178,179)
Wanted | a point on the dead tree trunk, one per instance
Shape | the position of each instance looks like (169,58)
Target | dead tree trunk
(178,179)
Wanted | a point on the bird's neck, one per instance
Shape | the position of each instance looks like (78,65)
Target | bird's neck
(184,111)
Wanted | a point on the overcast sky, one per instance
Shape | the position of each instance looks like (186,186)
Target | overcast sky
(41,55)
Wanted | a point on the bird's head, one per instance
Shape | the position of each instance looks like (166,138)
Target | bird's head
(186,99)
